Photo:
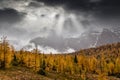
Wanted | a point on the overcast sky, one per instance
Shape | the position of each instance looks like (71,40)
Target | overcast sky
(24,20)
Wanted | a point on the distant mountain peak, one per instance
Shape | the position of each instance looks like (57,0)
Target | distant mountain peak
(107,37)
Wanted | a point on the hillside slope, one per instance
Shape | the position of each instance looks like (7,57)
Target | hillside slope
(108,49)
(20,73)
(101,63)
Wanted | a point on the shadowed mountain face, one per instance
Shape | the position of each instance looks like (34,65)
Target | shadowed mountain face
(86,40)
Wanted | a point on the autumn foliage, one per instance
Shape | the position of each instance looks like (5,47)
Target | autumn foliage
(102,61)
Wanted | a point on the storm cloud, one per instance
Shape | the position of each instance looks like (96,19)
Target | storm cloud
(81,4)
(9,15)
(69,4)
(58,25)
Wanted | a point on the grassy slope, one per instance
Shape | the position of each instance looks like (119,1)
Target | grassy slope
(19,73)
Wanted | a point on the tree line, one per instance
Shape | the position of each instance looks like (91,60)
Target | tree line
(102,60)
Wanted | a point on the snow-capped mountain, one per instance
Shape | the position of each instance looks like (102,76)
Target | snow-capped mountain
(86,40)
(108,37)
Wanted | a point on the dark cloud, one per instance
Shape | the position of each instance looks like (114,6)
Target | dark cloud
(84,4)
(68,4)
(1,0)
(108,15)
(9,15)
(95,0)
(110,7)
(34,4)
(53,2)
(110,2)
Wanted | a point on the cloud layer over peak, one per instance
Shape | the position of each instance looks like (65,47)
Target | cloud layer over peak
(56,22)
